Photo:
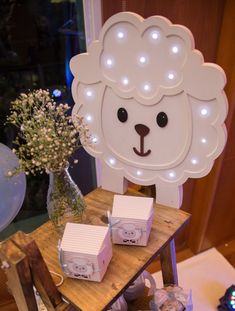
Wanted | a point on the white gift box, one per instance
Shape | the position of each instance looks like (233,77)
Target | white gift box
(85,251)
(172,298)
(131,220)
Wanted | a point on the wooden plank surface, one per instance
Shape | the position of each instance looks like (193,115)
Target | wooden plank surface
(127,262)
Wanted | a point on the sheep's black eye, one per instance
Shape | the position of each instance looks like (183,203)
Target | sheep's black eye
(162,119)
(122,114)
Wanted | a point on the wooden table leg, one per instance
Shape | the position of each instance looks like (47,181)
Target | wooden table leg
(168,264)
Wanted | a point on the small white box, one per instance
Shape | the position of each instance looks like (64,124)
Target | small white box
(85,251)
(131,220)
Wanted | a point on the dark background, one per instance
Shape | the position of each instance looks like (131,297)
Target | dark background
(37,40)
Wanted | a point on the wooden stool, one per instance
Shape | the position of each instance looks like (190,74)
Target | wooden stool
(24,266)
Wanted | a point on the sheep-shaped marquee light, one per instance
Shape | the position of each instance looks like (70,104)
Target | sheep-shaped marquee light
(154,109)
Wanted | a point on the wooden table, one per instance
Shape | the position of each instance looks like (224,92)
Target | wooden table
(127,262)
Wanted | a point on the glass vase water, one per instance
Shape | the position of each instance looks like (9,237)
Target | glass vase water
(65,202)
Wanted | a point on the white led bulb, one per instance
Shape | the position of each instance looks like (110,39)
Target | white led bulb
(89,118)
(175,49)
(112,161)
(125,81)
(194,161)
(120,35)
(146,87)
(204,112)
(171,174)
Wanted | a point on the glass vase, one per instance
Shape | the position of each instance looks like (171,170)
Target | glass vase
(65,202)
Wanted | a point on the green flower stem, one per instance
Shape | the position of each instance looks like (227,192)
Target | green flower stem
(64,198)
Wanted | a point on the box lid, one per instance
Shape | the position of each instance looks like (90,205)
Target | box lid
(82,238)
(125,206)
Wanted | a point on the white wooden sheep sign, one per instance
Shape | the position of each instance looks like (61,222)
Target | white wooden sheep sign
(154,109)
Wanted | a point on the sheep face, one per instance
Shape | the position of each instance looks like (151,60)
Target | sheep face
(80,267)
(147,134)
(155,110)
(129,234)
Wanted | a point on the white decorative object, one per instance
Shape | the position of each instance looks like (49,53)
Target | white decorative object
(85,251)
(172,298)
(157,110)
(131,220)
(12,188)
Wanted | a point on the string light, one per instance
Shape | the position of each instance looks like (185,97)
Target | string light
(57,93)
(172,174)
(175,49)
(194,161)
(120,35)
(109,62)
(142,59)
(171,76)
(94,139)
(139,173)
(147,87)
(154,35)
(88,118)
(204,112)
(112,161)
(88,93)
(125,81)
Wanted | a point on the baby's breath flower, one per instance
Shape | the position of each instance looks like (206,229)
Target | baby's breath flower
(48,137)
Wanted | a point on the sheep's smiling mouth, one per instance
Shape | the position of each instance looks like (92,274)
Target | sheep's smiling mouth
(141,153)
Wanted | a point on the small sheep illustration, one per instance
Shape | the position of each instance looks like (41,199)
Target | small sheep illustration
(79,267)
(154,109)
(129,233)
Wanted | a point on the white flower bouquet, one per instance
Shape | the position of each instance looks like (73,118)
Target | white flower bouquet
(47,137)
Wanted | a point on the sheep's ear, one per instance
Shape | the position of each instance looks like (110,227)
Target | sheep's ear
(85,67)
(203,80)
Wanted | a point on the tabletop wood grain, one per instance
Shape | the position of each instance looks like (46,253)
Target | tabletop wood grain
(127,261)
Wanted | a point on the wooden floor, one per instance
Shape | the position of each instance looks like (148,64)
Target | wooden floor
(227,250)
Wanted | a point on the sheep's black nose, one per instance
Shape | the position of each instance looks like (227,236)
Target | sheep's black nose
(142,129)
